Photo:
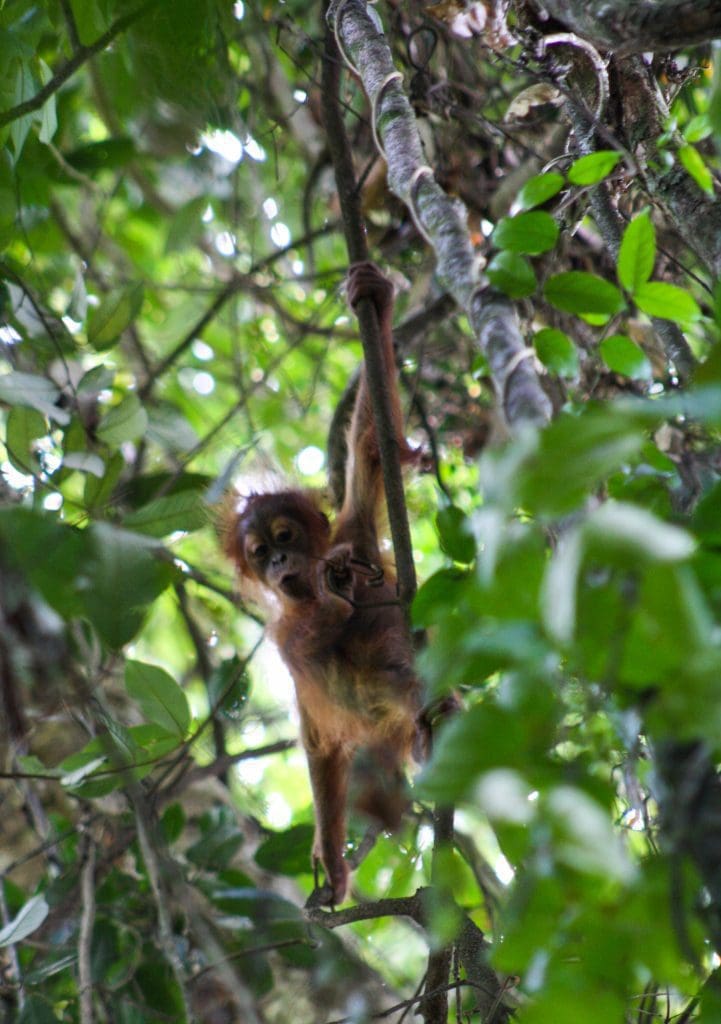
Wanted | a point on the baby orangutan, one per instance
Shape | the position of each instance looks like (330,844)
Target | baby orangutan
(333,612)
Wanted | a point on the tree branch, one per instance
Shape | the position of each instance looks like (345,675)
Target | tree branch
(440,219)
(640,26)
(68,69)
(85,938)
(378,384)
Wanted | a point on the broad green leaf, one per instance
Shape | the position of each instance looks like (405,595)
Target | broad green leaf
(125,422)
(589,170)
(575,454)
(48,113)
(670,626)
(173,822)
(540,189)
(97,492)
(491,736)
(186,224)
(85,462)
(530,233)
(445,587)
(29,389)
(577,291)
(122,576)
(104,155)
(619,524)
(160,698)
(667,301)
(116,311)
(455,534)
(37,1011)
(698,128)
(24,425)
(584,836)
(229,686)
(624,356)
(71,779)
(27,920)
(28,536)
(560,583)
(287,852)
(24,90)
(707,516)
(637,254)
(511,274)
(153,742)
(557,352)
(183,511)
(219,839)
(100,378)
(696,167)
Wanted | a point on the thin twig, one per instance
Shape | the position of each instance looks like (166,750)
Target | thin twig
(68,69)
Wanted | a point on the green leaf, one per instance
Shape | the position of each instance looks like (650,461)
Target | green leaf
(707,516)
(186,224)
(698,128)
(444,588)
(589,170)
(557,352)
(24,425)
(104,155)
(511,274)
(73,777)
(637,254)
(696,167)
(540,189)
(85,462)
(487,737)
(667,301)
(287,852)
(97,492)
(219,840)
(26,921)
(577,291)
(121,578)
(99,378)
(160,698)
(125,422)
(29,389)
(173,822)
(24,90)
(183,511)
(624,356)
(37,1011)
(530,233)
(638,533)
(48,113)
(455,534)
(116,311)
(229,686)
(28,536)
(576,453)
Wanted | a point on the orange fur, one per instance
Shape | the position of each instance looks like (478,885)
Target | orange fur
(333,612)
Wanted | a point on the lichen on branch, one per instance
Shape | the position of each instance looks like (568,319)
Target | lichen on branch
(439,218)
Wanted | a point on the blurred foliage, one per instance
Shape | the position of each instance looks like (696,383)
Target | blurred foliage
(171,319)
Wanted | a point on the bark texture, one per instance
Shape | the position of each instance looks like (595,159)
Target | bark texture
(636,27)
(440,219)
